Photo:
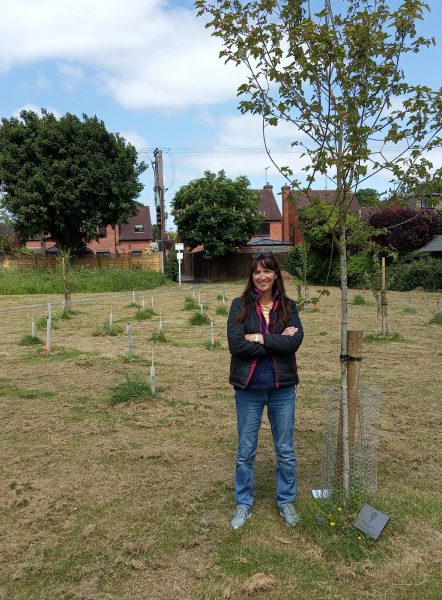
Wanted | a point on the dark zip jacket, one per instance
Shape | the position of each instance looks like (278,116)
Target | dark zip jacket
(281,348)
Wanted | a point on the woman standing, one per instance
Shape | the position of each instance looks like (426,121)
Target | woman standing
(264,332)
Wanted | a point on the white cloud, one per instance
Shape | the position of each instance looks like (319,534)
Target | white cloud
(135,139)
(238,148)
(16,112)
(146,54)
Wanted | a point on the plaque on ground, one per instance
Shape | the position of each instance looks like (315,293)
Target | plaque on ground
(371,521)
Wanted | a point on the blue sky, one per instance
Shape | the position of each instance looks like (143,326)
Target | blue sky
(150,70)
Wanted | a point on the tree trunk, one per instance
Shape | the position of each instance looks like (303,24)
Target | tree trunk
(344,399)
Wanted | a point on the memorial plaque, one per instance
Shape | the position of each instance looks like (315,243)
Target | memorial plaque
(371,521)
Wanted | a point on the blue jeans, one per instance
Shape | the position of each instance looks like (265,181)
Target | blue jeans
(281,413)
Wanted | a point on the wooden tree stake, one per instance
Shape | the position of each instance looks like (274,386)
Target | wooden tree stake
(383,300)
(354,348)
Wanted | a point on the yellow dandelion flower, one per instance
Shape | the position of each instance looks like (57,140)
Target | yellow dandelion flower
(339,508)
(332,524)
(359,538)
(329,515)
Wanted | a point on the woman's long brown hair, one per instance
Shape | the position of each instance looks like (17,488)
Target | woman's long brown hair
(268,261)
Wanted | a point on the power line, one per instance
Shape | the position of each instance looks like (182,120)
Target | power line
(262,150)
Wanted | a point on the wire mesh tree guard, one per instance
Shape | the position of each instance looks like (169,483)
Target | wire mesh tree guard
(363,444)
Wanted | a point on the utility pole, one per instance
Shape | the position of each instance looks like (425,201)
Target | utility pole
(159,198)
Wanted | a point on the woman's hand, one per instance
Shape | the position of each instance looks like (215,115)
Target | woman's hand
(290,331)
(251,337)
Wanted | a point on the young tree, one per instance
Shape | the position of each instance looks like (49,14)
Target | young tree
(67,177)
(337,79)
(216,212)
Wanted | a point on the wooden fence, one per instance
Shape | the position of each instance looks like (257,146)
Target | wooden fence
(230,266)
(153,261)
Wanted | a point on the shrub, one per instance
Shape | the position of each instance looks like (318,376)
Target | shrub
(171,270)
(198,319)
(30,340)
(190,303)
(158,337)
(106,330)
(359,299)
(416,270)
(222,310)
(436,319)
(147,313)
(135,388)
(408,229)
(209,346)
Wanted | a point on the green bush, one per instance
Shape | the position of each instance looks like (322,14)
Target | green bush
(190,303)
(359,299)
(82,280)
(222,310)
(416,270)
(158,337)
(171,270)
(30,340)
(436,319)
(106,330)
(147,313)
(198,319)
(135,388)
(209,346)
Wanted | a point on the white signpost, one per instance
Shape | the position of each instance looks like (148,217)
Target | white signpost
(179,254)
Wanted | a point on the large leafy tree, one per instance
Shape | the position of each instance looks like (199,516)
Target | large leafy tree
(368,197)
(315,223)
(65,177)
(406,230)
(217,212)
(338,80)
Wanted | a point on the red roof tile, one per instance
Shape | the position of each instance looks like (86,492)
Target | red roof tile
(268,205)
(127,230)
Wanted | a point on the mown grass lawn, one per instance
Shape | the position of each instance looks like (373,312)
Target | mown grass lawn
(134,500)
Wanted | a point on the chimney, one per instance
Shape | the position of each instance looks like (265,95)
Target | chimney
(267,187)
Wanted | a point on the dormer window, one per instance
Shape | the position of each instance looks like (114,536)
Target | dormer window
(139,228)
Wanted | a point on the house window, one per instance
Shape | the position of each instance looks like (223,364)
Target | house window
(263,229)
(104,253)
(137,252)
(102,231)
(139,228)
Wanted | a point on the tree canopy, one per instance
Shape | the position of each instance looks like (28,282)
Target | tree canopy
(66,177)
(406,229)
(217,212)
(368,197)
(315,223)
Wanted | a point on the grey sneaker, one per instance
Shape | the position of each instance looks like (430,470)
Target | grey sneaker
(290,515)
(240,516)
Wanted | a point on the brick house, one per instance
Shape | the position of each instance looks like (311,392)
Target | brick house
(271,227)
(291,231)
(123,238)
